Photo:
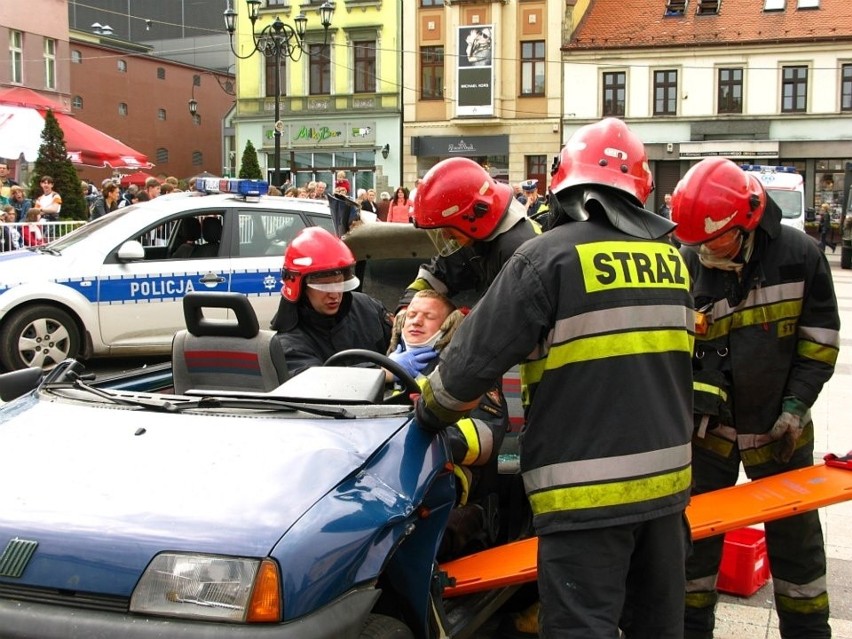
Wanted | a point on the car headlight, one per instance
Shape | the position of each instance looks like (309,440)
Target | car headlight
(209,587)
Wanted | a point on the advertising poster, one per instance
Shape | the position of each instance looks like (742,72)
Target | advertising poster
(475,71)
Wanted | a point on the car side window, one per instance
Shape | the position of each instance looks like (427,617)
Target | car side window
(188,237)
(267,232)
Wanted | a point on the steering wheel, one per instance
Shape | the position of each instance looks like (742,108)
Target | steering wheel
(364,355)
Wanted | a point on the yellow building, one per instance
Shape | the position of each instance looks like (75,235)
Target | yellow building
(339,102)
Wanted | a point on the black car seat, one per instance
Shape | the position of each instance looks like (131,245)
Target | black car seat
(211,232)
(189,233)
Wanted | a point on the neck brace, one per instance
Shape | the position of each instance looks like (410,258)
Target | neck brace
(429,342)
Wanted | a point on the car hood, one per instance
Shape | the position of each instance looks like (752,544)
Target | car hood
(102,490)
(22,266)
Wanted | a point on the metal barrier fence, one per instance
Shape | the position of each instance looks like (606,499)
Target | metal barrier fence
(49,230)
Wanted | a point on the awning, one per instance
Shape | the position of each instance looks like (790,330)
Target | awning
(22,121)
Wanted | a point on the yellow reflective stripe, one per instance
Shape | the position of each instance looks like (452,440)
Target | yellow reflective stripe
(754,316)
(464,483)
(615,265)
(471,438)
(536,227)
(630,491)
(701,599)
(595,347)
(761,296)
(817,352)
(445,407)
(620,319)
(827,336)
(719,445)
(701,387)
(803,606)
(608,469)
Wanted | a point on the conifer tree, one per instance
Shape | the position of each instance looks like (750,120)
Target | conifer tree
(53,160)
(249,167)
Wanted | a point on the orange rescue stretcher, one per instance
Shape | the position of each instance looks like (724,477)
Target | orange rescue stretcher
(713,513)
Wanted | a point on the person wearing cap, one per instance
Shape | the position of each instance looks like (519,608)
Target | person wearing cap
(598,313)
(321,314)
(475,222)
(767,337)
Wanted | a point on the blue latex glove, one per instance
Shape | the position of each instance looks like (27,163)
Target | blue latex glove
(413,360)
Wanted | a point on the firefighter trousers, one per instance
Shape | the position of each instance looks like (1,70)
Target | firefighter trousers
(593,581)
(796,557)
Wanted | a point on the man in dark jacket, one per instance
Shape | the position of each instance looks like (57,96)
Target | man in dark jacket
(477,224)
(320,314)
(767,339)
(599,314)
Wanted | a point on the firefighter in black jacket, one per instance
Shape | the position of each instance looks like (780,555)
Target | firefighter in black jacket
(478,224)
(320,314)
(767,337)
(599,314)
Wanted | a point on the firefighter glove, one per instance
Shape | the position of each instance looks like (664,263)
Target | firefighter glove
(413,360)
(787,428)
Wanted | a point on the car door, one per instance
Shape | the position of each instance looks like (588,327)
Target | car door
(140,302)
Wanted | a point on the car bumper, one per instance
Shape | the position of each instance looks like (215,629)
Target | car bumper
(343,617)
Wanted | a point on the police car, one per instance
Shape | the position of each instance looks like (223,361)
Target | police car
(114,286)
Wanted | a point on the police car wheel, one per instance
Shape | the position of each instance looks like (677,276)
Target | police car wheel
(38,336)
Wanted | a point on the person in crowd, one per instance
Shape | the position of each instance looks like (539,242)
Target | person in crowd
(399,206)
(477,224)
(608,487)
(369,208)
(128,195)
(767,335)
(430,321)
(11,239)
(341,182)
(20,201)
(6,184)
(665,209)
(107,202)
(168,187)
(320,313)
(825,230)
(31,231)
(383,206)
(152,187)
(49,202)
(320,191)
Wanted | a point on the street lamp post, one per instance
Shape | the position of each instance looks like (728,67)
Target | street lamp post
(274,41)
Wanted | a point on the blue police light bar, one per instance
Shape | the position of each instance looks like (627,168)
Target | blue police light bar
(762,168)
(239,187)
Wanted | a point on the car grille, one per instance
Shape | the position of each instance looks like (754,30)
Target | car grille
(67,598)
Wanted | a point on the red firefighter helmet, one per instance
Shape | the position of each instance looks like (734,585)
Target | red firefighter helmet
(314,254)
(714,197)
(606,153)
(458,193)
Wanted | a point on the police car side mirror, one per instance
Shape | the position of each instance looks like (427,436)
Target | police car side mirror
(131,251)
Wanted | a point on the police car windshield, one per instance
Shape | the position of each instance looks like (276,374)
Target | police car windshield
(87,229)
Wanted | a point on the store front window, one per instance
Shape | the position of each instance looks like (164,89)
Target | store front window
(829,186)
(359,166)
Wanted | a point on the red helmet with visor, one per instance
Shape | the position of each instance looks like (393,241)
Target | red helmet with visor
(458,193)
(607,153)
(319,260)
(716,196)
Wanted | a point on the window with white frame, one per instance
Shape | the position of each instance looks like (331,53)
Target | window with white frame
(794,89)
(808,4)
(773,5)
(16,56)
(730,90)
(846,87)
(122,66)
(76,57)
(665,92)
(122,108)
(49,63)
(77,102)
(161,114)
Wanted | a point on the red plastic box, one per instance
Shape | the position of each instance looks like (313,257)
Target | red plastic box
(745,564)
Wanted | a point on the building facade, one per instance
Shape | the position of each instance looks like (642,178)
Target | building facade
(123,90)
(339,101)
(761,82)
(482,80)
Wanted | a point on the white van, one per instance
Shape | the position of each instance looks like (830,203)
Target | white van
(786,187)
